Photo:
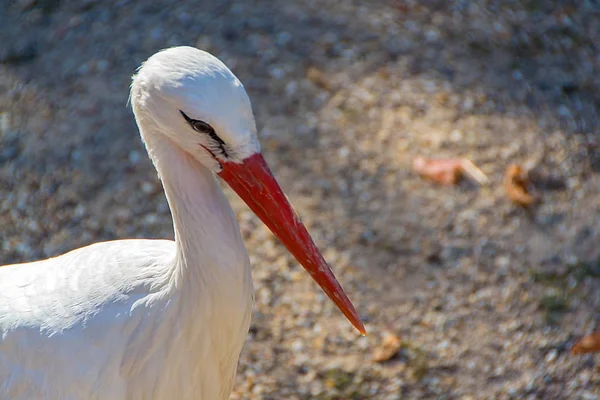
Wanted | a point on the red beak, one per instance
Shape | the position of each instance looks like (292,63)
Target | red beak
(253,181)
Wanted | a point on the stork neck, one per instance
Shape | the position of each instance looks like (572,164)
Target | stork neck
(209,245)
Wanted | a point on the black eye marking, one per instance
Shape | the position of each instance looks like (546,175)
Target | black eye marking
(203,127)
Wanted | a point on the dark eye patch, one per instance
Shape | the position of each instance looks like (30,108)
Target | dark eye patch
(203,127)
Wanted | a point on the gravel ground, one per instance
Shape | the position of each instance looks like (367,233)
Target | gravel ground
(486,298)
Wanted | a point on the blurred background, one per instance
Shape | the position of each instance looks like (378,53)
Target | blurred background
(466,293)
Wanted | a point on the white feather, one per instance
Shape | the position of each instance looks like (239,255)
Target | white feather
(145,319)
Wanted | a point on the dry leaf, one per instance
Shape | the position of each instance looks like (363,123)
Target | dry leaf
(449,171)
(517,186)
(446,172)
(587,344)
(318,77)
(388,349)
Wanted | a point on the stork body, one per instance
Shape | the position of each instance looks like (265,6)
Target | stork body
(132,319)
(158,319)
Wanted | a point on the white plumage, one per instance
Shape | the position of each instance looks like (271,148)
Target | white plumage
(158,319)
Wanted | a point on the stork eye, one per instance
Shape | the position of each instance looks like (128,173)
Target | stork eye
(203,127)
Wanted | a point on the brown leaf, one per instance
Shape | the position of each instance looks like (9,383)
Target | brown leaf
(318,77)
(444,171)
(587,344)
(517,186)
(388,349)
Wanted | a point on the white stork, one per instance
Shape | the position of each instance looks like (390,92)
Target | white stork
(159,319)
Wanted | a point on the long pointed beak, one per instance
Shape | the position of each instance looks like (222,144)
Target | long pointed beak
(253,181)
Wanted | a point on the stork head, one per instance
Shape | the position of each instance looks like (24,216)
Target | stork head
(194,100)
